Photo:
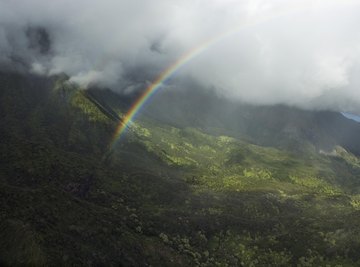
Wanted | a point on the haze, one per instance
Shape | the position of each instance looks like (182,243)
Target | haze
(303,53)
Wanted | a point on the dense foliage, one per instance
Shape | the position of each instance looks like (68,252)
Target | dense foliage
(164,195)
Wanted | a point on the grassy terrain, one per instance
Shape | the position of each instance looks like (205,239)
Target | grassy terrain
(164,195)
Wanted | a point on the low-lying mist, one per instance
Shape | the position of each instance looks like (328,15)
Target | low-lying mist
(302,53)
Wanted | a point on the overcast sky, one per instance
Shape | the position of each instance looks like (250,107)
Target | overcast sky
(297,52)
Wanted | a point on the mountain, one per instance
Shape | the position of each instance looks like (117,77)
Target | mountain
(196,181)
(278,126)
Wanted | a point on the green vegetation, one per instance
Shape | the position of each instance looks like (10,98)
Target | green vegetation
(165,195)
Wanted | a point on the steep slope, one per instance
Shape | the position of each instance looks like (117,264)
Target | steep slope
(278,126)
(168,194)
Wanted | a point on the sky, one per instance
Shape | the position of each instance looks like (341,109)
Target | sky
(296,52)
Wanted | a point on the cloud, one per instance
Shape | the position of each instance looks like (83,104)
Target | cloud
(300,52)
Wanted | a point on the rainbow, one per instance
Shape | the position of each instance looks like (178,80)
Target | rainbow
(187,57)
(157,84)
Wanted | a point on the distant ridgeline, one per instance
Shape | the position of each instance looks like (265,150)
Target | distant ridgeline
(278,126)
(351,116)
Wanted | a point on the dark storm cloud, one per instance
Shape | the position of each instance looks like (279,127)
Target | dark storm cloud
(304,53)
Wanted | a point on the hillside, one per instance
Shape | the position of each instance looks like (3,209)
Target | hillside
(246,186)
(277,126)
